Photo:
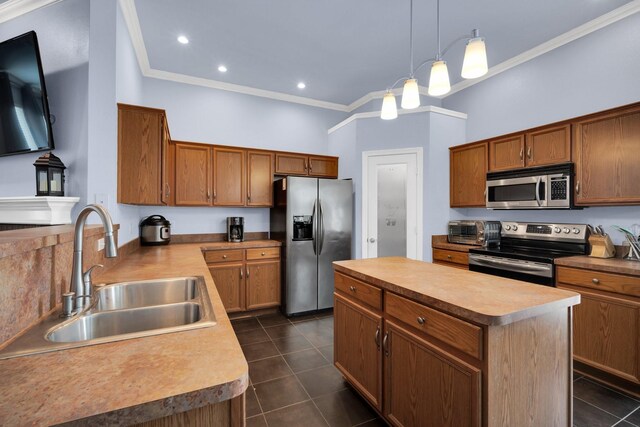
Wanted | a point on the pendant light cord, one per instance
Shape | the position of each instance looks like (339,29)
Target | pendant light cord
(411,38)
(438,27)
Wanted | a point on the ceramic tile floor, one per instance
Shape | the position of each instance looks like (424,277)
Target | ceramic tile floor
(294,383)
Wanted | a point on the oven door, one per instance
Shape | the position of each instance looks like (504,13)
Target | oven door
(527,271)
(517,193)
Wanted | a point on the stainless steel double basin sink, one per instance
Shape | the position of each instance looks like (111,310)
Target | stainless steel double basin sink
(121,311)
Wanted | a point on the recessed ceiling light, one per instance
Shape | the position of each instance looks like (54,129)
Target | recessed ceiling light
(183,39)
(301,85)
(222,69)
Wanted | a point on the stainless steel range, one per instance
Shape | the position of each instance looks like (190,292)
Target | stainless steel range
(527,251)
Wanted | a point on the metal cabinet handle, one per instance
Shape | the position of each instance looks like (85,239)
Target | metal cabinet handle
(305,165)
(578,187)
(262,254)
(529,153)
(167,190)
(241,274)
(247,273)
(352,288)
(214,194)
(310,167)
(378,337)
(595,281)
(421,320)
(521,153)
(385,344)
(448,256)
(208,194)
(248,197)
(224,257)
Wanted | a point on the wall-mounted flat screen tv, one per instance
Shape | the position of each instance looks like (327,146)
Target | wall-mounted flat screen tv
(25,126)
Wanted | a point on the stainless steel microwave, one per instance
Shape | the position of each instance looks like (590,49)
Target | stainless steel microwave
(544,187)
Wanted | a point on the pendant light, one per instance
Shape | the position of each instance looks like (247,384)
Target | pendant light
(475,58)
(389,109)
(410,91)
(439,79)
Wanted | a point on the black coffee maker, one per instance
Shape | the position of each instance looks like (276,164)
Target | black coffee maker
(235,229)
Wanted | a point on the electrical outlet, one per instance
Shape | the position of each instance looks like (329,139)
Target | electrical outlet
(100,244)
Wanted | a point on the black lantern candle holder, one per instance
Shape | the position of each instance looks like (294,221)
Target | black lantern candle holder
(49,176)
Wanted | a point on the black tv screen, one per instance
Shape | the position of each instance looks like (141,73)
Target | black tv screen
(24,110)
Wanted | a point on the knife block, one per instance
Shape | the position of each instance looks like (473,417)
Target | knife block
(601,247)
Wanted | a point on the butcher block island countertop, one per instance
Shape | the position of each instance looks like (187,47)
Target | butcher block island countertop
(431,345)
(480,298)
(137,380)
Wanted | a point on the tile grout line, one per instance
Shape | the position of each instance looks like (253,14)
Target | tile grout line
(599,408)
(627,416)
(610,389)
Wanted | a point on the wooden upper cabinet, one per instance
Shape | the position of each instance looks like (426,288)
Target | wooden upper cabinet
(291,164)
(468,175)
(140,155)
(306,165)
(506,153)
(323,166)
(192,174)
(228,176)
(259,178)
(549,145)
(606,152)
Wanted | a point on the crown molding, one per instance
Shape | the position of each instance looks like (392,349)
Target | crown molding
(14,8)
(571,35)
(401,112)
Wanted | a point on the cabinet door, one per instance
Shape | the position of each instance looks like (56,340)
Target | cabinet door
(425,386)
(606,152)
(606,334)
(263,284)
(259,178)
(506,153)
(228,177)
(323,167)
(548,146)
(291,164)
(139,155)
(468,175)
(229,279)
(357,347)
(193,174)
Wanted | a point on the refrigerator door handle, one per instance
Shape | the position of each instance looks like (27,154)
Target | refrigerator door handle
(313,228)
(320,228)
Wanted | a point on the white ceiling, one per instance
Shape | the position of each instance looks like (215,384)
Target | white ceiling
(341,49)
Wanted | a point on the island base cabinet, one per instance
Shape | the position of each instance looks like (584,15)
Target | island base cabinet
(357,353)
(426,386)
(228,413)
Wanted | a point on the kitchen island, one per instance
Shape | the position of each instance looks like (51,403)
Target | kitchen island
(428,345)
(169,379)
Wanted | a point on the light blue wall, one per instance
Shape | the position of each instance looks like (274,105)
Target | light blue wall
(433,132)
(63,35)
(594,73)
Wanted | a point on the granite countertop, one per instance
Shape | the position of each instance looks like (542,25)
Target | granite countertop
(134,380)
(480,298)
(441,242)
(610,265)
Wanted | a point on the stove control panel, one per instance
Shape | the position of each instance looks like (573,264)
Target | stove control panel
(576,233)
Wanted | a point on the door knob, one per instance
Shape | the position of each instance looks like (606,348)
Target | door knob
(372,240)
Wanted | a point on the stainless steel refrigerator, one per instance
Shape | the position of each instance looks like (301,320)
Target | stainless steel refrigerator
(313,219)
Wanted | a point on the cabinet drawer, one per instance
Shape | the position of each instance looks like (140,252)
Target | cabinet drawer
(610,282)
(448,329)
(224,255)
(359,290)
(263,253)
(444,255)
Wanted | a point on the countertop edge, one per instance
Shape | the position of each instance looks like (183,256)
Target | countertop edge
(609,265)
(473,316)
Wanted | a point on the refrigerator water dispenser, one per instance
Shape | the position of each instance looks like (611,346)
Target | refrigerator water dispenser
(302,227)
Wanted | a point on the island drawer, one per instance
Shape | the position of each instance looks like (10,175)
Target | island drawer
(224,255)
(356,289)
(610,282)
(457,333)
(443,255)
(262,253)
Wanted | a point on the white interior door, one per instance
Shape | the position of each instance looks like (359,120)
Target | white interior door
(392,203)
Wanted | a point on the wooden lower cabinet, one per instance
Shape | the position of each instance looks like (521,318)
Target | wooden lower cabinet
(244,283)
(426,386)
(451,258)
(262,284)
(357,348)
(229,280)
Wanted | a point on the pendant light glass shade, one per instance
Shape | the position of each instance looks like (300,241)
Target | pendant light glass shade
(439,79)
(475,59)
(410,95)
(389,108)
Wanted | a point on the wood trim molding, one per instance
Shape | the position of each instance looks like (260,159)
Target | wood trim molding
(15,8)
(425,109)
